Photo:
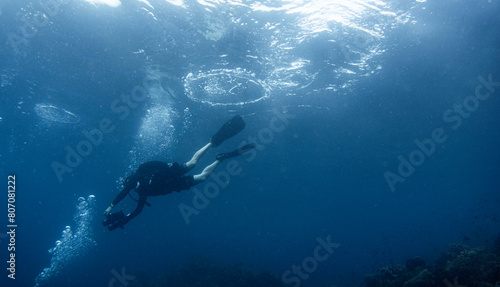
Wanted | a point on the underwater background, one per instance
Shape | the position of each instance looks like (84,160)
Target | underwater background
(376,124)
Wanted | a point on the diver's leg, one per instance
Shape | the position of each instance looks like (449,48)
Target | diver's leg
(206,172)
(196,157)
(221,157)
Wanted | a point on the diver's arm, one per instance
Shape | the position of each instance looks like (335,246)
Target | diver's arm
(128,184)
(138,209)
(118,198)
(108,210)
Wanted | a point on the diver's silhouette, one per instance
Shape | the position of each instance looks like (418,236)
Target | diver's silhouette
(159,178)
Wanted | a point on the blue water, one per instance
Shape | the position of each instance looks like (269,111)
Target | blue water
(335,94)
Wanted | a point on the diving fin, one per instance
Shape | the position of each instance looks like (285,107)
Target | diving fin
(228,130)
(235,153)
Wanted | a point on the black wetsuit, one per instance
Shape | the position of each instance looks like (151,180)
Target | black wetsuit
(154,178)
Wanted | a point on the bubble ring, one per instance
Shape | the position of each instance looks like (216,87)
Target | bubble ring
(55,114)
(225,87)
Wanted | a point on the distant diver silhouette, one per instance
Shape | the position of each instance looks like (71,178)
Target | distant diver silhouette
(159,178)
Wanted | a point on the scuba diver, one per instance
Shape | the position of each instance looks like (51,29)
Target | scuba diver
(159,178)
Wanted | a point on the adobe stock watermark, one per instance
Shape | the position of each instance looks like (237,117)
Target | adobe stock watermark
(455,283)
(321,253)
(37,20)
(221,179)
(121,108)
(122,278)
(454,116)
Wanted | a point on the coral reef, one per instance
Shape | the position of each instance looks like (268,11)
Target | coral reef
(201,272)
(459,266)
